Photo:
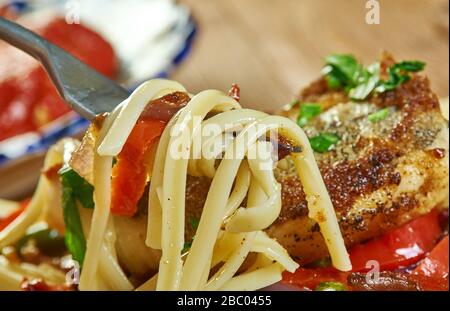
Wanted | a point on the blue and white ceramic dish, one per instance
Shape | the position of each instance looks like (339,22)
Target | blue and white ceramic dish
(150,38)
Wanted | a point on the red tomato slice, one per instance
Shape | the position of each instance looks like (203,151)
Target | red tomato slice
(433,271)
(4,222)
(397,248)
(129,175)
(400,247)
(84,43)
(308,279)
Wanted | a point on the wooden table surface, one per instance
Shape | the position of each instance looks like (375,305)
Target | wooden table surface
(272,48)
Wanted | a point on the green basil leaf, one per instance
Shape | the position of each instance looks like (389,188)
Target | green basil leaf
(74,236)
(81,189)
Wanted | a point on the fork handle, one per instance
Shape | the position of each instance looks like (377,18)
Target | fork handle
(22,38)
(81,87)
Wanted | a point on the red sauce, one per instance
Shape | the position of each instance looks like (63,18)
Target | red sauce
(28,98)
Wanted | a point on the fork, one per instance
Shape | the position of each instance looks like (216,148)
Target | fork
(85,90)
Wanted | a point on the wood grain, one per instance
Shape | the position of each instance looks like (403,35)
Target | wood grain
(272,48)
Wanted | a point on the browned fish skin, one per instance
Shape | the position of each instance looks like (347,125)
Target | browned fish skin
(379,176)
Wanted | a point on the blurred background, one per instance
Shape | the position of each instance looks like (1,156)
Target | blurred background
(272,48)
(269,48)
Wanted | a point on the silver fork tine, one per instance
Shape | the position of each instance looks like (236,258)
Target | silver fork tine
(85,90)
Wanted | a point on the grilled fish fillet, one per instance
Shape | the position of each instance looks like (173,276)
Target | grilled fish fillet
(380,175)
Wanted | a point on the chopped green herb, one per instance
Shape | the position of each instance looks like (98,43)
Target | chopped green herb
(307,112)
(74,236)
(369,80)
(49,241)
(331,287)
(187,246)
(411,66)
(81,189)
(321,263)
(74,188)
(323,142)
(344,72)
(333,81)
(398,74)
(194,221)
(378,115)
